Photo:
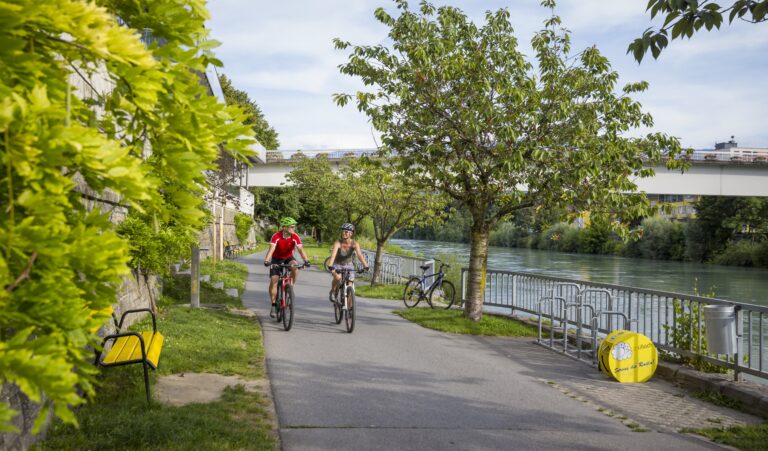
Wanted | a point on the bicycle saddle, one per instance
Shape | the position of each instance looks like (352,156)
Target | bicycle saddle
(424,267)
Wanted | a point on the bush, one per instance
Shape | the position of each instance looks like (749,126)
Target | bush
(741,253)
(508,234)
(243,224)
(596,239)
(661,240)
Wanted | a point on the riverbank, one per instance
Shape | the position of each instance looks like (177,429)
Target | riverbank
(748,285)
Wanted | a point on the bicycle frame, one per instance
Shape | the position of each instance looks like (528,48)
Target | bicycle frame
(284,279)
(343,284)
(438,278)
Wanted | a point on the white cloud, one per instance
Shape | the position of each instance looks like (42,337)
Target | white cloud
(701,90)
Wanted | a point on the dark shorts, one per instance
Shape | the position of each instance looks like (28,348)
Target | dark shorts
(280,261)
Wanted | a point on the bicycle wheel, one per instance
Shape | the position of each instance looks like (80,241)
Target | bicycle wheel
(412,292)
(350,312)
(279,303)
(443,295)
(288,313)
(338,312)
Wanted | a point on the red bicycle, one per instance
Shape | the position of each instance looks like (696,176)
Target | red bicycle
(284,299)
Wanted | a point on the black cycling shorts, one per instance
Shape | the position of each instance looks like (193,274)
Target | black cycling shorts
(280,261)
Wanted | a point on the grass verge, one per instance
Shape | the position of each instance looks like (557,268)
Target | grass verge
(195,341)
(177,289)
(453,321)
(752,437)
(231,273)
(364,289)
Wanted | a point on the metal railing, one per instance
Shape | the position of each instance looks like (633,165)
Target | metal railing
(673,321)
(394,268)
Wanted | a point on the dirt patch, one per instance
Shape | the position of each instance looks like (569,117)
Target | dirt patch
(189,388)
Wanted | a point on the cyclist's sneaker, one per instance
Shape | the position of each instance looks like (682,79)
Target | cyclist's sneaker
(272,311)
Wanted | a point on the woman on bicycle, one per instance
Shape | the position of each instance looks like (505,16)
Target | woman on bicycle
(281,248)
(343,256)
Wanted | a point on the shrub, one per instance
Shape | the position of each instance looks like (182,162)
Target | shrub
(740,253)
(243,224)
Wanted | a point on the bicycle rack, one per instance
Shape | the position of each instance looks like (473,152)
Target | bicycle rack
(594,314)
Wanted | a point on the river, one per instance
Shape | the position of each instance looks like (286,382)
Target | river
(731,283)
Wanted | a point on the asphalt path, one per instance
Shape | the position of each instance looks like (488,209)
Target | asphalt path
(392,384)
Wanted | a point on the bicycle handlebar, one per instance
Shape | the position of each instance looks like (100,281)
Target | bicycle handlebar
(283,265)
(359,271)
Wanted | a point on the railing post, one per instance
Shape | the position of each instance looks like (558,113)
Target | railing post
(194,274)
(737,376)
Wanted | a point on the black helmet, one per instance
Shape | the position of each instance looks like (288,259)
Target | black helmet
(348,226)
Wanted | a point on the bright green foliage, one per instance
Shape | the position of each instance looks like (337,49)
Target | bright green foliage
(682,18)
(326,199)
(151,251)
(146,137)
(392,200)
(471,117)
(243,224)
(265,133)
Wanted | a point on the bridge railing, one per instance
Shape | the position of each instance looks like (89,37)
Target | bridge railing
(727,157)
(336,154)
(673,321)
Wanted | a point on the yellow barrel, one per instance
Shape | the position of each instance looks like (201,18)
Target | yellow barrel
(628,356)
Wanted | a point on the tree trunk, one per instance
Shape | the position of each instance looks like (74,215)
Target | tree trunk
(478,264)
(377,262)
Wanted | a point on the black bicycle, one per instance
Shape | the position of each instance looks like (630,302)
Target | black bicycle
(344,298)
(440,292)
(284,299)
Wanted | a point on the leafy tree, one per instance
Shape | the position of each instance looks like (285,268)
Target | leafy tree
(392,201)
(470,117)
(682,18)
(719,219)
(143,146)
(265,134)
(274,203)
(326,199)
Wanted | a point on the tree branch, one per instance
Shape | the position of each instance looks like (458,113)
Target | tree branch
(24,274)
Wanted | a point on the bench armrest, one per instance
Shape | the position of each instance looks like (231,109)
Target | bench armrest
(122,318)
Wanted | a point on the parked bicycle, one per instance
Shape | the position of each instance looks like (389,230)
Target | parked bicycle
(440,292)
(344,298)
(285,297)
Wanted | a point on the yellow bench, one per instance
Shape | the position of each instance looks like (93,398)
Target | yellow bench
(133,347)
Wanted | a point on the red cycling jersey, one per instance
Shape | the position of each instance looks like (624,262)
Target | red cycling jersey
(284,246)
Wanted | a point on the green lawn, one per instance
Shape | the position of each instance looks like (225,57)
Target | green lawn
(453,321)
(364,289)
(195,341)
(176,290)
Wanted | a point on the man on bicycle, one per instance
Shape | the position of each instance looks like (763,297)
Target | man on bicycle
(343,255)
(281,248)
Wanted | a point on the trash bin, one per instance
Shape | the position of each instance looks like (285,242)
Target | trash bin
(721,328)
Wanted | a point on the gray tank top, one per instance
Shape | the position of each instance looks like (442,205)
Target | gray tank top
(343,258)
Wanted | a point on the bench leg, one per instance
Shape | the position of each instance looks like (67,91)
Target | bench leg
(146,380)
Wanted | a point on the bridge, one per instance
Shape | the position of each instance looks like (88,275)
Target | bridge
(711,173)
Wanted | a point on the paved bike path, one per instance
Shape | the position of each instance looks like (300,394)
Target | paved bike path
(392,384)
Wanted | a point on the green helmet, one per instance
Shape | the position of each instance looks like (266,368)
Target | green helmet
(287,221)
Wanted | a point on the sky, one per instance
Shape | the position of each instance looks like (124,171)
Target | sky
(703,90)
